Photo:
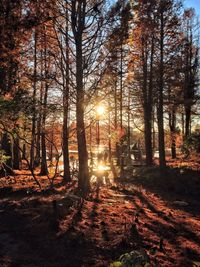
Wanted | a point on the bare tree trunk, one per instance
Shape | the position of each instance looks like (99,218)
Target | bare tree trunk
(109,134)
(129,127)
(183,125)
(161,138)
(16,155)
(33,131)
(24,151)
(172,126)
(39,121)
(187,107)
(83,176)
(38,142)
(66,175)
(153,133)
(44,169)
(187,120)
(148,111)
(121,84)
(121,106)
(78,22)
(115,97)
(51,146)
(147,108)
(148,136)
(65,147)
(117,146)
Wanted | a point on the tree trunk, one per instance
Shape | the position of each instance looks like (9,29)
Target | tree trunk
(153,132)
(78,23)
(109,133)
(183,125)
(187,120)
(51,146)
(148,136)
(115,97)
(66,175)
(121,83)
(147,103)
(39,121)
(172,126)
(7,148)
(44,169)
(24,151)
(33,131)
(83,176)
(129,127)
(16,154)
(38,142)
(161,138)
(148,111)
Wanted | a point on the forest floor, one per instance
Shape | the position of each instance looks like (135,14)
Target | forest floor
(160,215)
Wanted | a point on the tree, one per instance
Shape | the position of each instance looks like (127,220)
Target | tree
(89,32)
(142,62)
(61,28)
(163,7)
(10,19)
(191,64)
(78,17)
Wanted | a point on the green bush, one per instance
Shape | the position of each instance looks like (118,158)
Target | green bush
(3,158)
(133,259)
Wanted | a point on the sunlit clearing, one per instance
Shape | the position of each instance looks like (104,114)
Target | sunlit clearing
(100,110)
(100,149)
(102,168)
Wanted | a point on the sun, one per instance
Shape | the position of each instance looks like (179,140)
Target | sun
(100,110)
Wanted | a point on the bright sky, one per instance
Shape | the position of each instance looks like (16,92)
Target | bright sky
(193,3)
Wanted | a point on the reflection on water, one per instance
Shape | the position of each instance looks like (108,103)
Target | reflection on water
(98,162)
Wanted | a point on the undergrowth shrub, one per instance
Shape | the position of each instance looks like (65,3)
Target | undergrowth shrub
(134,258)
(3,158)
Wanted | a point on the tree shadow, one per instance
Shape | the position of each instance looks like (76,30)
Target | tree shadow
(171,186)
(162,225)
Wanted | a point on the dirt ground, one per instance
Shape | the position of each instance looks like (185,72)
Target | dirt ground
(59,229)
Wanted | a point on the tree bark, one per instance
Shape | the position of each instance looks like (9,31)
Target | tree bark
(44,169)
(33,131)
(78,22)
(147,107)
(24,151)
(172,126)
(115,98)
(148,111)
(83,176)
(65,148)
(129,126)
(16,154)
(161,138)
(39,121)
(187,120)
(121,83)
